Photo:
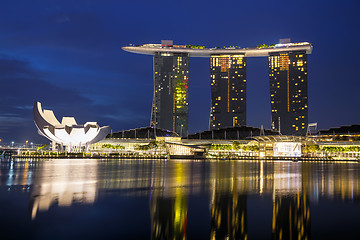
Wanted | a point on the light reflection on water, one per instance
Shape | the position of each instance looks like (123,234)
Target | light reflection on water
(289,189)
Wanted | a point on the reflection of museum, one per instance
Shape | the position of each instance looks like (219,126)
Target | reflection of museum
(63,188)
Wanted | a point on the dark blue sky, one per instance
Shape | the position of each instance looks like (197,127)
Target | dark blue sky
(67,54)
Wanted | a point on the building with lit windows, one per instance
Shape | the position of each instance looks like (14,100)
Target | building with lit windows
(288,84)
(170,102)
(228,91)
(288,92)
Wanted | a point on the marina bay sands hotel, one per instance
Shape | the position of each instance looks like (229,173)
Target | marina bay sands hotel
(287,74)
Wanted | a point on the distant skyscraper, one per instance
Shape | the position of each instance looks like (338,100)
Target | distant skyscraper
(170,102)
(288,92)
(228,91)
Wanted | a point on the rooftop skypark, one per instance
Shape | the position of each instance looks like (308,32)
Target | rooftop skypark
(262,50)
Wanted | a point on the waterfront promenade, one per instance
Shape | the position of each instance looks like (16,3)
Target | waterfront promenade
(214,150)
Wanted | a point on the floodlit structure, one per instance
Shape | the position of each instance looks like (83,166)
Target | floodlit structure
(68,133)
(281,146)
(287,75)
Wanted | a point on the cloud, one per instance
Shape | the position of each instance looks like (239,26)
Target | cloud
(21,86)
(127,117)
(25,107)
(11,120)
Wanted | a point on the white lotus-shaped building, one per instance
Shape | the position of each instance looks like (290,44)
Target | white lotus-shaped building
(67,133)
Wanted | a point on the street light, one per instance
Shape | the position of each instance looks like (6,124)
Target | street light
(12,143)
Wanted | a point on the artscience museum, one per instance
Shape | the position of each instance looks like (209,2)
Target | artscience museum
(67,135)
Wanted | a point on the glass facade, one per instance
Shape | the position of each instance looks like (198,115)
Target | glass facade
(170,102)
(228,91)
(288,92)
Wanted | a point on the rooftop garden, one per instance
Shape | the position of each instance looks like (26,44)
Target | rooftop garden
(195,46)
(265,46)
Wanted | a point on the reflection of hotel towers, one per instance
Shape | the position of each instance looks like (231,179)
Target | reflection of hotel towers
(291,217)
(62,188)
(170,102)
(228,206)
(168,204)
(228,91)
(291,207)
(229,217)
(291,212)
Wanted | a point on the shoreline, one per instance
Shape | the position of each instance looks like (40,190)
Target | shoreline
(245,158)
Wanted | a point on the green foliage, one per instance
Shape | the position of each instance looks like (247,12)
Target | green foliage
(253,148)
(235,146)
(152,145)
(143,147)
(195,46)
(221,147)
(111,146)
(311,148)
(262,46)
(30,153)
(341,149)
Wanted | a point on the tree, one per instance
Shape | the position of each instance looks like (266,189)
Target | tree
(312,148)
(236,145)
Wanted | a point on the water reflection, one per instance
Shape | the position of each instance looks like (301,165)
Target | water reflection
(229,216)
(291,217)
(168,203)
(292,187)
(228,202)
(63,182)
(16,175)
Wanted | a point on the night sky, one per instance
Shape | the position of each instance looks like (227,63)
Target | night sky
(67,55)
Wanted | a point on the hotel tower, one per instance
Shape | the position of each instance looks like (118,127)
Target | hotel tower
(170,102)
(288,92)
(287,74)
(228,91)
